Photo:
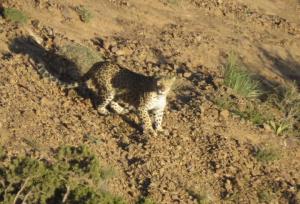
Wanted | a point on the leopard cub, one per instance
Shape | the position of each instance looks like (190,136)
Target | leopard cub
(145,93)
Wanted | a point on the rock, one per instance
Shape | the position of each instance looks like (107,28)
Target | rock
(267,127)
(36,24)
(172,186)
(228,186)
(114,49)
(225,114)
(45,101)
(187,74)
(124,51)
(218,12)
(202,109)
(166,132)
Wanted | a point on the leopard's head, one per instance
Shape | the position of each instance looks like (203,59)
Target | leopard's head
(164,84)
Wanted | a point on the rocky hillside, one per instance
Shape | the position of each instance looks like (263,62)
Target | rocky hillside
(223,141)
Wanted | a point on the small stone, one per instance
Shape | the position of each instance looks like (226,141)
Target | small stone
(36,23)
(166,132)
(267,127)
(66,103)
(228,186)
(172,186)
(218,12)
(106,45)
(225,114)
(242,121)
(45,101)
(156,68)
(114,49)
(124,51)
(202,109)
(72,93)
(187,74)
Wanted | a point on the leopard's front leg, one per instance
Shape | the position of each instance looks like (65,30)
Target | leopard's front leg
(146,121)
(158,116)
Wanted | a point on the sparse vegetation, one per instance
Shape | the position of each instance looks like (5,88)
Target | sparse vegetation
(265,196)
(73,178)
(107,172)
(84,14)
(287,100)
(81,55)
(174,2)
(201,198)
(279,127)
(225,103)
(15,15)
(233,197)
(145,200)
(267,154)
(240,80)
(251,112)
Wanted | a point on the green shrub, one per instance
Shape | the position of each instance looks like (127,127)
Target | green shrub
(267,155)
(145,200)
(201,197)
(279,127)
(73,177)
(15,15)
(82,56)
(173,2)
(265,196)
(252,112)
(84,14)
(240,80)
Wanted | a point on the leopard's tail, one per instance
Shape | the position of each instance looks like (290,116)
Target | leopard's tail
(42,70)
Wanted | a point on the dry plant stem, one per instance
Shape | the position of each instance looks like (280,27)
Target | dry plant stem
(2,183)
(20,191)
(25,197)
(5,192)
(66,195)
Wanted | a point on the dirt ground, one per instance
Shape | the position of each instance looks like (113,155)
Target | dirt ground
(204,150)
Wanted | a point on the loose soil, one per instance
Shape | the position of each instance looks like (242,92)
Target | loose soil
(205,151)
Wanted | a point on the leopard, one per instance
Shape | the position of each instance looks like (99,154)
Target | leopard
(114,83)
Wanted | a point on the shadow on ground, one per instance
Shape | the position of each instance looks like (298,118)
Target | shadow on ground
(288,68)
(62,68)
(57,65)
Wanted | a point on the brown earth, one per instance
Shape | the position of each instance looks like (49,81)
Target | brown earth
(204,149)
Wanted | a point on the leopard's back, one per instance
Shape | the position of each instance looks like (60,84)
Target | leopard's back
(127,85)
